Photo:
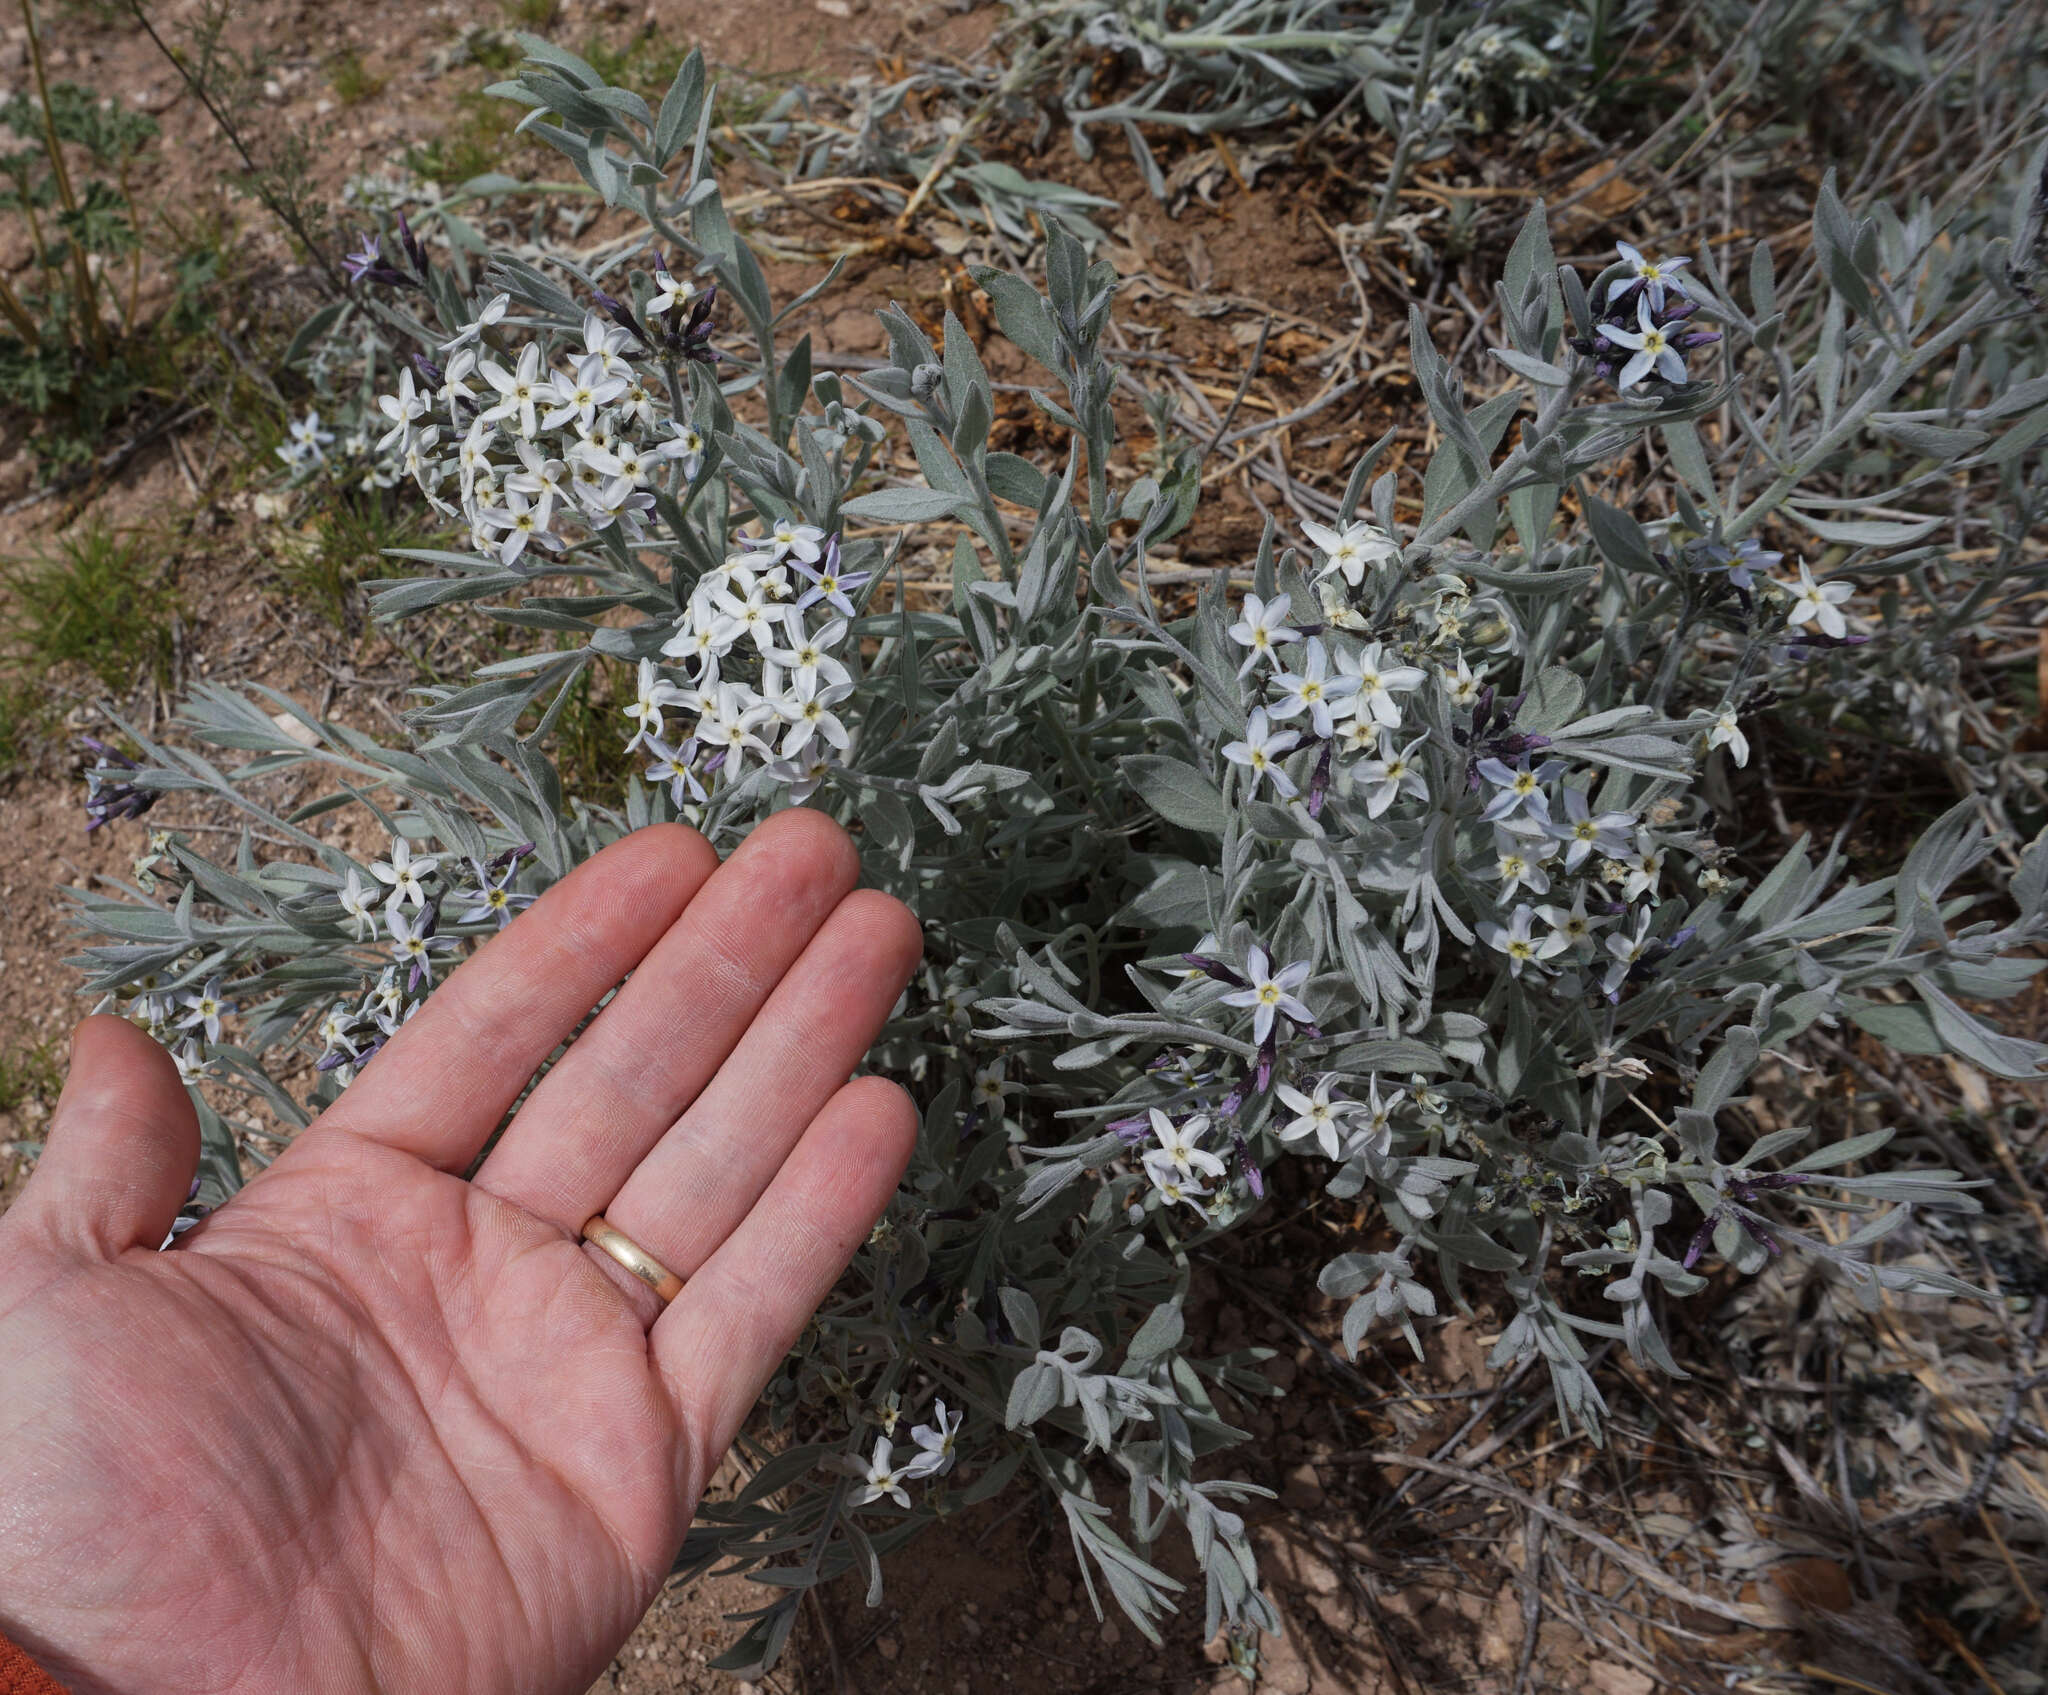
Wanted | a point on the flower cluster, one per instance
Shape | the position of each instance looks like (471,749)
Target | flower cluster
(1644,329)
(410,890)
(537,441)
(109,795)
(759,642)
(934,1457)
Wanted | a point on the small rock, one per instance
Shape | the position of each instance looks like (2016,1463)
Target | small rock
(1059,1589)
(1111,1636)
(294,730)
(888,1647)
(833,8)
(1303,1490)
(1316,1577)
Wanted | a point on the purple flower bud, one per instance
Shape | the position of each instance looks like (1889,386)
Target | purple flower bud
(413,250)
(1701,1237)
(1247,1168)
(1695,338)
(621,314)
(107,797)
(1215,968)
(1269,1051)
(1756,1231)
(430,373)
(1231,1103)
(1319,784)
(693,341)
(1748,1187)
(1132,1130)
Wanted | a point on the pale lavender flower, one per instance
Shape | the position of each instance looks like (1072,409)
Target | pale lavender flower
(1820,603)
(1585,832)
(885,1477)
(1313,690)
(1519,789)
(402,873)
(1518,864)
(1655,350)
(1261,752)
(829,582)
(936,1442)
(1516,942)
(1351,549)
(494,897)
(207,1008)
(1316,1115)
(1653,276)
(1263,628)
(1269,992)
(414,944)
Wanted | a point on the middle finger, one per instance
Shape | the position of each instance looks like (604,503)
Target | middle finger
(650,1052)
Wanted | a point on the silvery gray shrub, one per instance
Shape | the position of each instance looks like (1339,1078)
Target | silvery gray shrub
(1401,864)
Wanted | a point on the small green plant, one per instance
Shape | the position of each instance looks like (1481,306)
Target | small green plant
(588,750)
(352,80)
(531,14)
(346,545)
(74,357)
(480,138)
(96,609)
(28,1072)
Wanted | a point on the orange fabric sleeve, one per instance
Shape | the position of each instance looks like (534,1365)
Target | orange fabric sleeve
(20,1675)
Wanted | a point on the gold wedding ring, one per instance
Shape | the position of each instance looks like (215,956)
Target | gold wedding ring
(636,1259)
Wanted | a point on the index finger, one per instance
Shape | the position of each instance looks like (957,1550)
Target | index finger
(445,1080)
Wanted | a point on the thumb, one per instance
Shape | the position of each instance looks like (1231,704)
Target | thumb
(122,1147)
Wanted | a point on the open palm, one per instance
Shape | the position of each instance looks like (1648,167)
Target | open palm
(371,1426)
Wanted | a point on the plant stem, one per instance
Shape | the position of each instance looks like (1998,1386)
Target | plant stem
(88,289)
(135,259)
(17,315)
(1411,127)
(277,209)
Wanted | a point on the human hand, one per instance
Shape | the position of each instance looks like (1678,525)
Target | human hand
(370,1426)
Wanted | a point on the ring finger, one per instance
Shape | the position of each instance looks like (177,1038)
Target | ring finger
(702,1179)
